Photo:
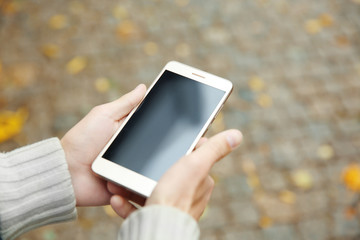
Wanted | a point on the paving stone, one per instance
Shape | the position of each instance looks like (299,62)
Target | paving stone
(344,227)
(214,218)
(244,213)
(273,181)
(237,187)
(280,232)
(243,235)
(315,229)
(312,79)
(313,203)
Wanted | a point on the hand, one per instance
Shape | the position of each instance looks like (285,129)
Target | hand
(86,139)
(187,184)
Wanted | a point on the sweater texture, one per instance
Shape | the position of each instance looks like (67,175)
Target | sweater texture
(36,190)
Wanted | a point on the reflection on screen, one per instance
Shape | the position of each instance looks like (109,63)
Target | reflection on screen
(165,125)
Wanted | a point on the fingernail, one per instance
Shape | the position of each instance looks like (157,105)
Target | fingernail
(138,87)
(234,138)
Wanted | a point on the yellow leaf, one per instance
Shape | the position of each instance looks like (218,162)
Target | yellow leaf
(264,101)
(325,152)
(119,12)
(287,197)
(182,50)
(10,7)
(110,211)
(205,213)
(256,84)
(313,26)
(253,181)
(58,21)
(76,65)
(76,7)
(302,179)
(102,84)
(50,50)
(150,48)
(126,30)
(342,41)
(248,166)
(351,177)
(11,123)
(218,125)
(265,222)
(182,3)
(326,20)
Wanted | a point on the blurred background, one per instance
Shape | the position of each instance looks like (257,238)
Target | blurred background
(295,66)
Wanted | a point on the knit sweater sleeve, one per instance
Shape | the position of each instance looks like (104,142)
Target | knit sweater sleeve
(159,223)
(35,188)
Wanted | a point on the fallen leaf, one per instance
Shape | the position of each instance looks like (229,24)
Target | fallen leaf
(351,177)
(50,50)
(182,50)
(76,65)
(265,222)
(11,123)
(150,48)
(126,30)
(350,213)
(86,223)
(325,152)
(120,13)
(102,84)
(264,101)
(287,197)
(256,84)
(58,21)
(342,41)
(110,211)
(253,181)
(182,3)
(10,7)
(302,179)
(218,124)
(313,26)
(76,7)
(248,166)
(326,20)
(23,74)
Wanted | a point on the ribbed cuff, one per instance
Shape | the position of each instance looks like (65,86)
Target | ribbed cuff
(36,188)
(160,223)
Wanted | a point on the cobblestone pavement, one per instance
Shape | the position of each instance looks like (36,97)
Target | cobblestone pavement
(296,70)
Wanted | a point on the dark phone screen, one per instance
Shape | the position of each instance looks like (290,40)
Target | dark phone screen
(164,126)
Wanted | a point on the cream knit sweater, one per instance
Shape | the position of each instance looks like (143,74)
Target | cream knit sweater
(36,190)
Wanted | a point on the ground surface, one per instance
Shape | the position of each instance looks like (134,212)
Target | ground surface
(296,70)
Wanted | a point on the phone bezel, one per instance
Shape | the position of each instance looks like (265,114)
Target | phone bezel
(134,181)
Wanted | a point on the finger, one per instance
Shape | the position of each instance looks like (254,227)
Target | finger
(206,186)
(121,206)
(201,142)
(200,204)
(118,190)
(217,147)
(123,106)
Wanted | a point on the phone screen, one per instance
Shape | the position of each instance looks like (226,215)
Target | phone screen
(164,126)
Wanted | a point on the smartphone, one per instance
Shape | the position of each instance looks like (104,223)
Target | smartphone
(175,113)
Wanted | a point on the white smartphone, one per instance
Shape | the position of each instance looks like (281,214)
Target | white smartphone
(175,113)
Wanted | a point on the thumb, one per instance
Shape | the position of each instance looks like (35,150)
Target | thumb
(215,149)
(123,106)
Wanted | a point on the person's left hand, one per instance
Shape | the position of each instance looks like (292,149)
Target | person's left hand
(86,139)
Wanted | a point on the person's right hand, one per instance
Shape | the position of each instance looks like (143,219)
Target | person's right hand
(187,184)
